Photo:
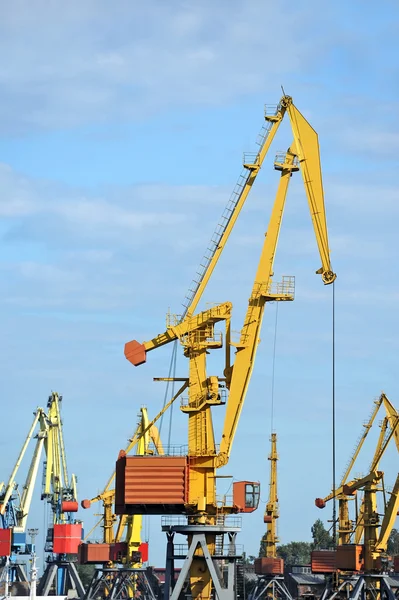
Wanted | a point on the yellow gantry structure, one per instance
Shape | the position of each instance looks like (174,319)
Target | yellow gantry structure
(196,331)
(272,513)
(367,528)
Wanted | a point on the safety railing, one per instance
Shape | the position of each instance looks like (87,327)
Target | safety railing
(199,400)
(249,158)
(281,157)
(271,110)
(175,450)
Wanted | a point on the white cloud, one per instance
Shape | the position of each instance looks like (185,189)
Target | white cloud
(130,59)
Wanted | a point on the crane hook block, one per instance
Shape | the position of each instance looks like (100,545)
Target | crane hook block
(135,353)
(320,503)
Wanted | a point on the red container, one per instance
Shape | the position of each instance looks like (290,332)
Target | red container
(349,557)
(5,542)
(396,564)
(143,549)
(323,561)
(269,566)
(69,506)
(94,553)
(67,538)
(151,485)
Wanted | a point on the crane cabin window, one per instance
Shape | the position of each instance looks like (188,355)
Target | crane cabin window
(251,495)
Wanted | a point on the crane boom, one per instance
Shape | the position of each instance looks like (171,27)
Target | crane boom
(9,488)
(240,374)
(233,208)
(307,149)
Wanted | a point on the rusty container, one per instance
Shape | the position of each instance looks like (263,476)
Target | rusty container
(151,485)
(5,542)
(323,561)
(396,564)
(94,553)
(67,538)
(269,566)
(349,557)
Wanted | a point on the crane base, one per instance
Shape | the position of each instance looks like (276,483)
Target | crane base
(270,586)
(60,577)
(119,583)
(224,589)
(360,587)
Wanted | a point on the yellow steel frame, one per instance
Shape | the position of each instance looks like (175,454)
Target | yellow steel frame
(197,335)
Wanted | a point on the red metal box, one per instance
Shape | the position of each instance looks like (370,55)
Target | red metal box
(5,542)
(94,553)
(323,561)
(151,485)
(269,566)
(67,538)
(143,549)
(349,557)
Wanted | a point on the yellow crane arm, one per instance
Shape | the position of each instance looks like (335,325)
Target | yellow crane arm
(9,488)
(391,511)
(136,352)
(306,147)
(240,373)
(30,481)
(238,376)
(233,208)
(393,417)
(367,426)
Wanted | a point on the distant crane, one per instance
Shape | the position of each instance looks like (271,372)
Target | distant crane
(270,569)
(272,513)
(361,566)
(15,505)
(64,534)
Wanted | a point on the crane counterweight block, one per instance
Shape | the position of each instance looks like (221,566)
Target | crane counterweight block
(135,353)
(319,502)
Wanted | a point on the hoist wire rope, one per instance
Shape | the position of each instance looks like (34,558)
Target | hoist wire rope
(334,508)
(174,359)
(273,369)
(171,373)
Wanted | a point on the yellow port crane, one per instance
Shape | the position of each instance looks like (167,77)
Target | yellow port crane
(197,335)
(389,429)
(271,540)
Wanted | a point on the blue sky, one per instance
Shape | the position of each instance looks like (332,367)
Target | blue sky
(122,128)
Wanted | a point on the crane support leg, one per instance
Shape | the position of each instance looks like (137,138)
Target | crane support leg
(199,560)
(271,587)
